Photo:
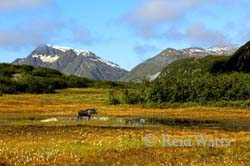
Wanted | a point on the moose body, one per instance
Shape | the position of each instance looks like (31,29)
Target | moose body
(87,112)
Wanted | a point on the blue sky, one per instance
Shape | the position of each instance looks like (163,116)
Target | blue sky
(126,32)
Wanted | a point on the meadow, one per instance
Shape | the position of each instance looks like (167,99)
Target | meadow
(116,135)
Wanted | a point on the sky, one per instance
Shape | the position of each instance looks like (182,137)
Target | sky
(126,32)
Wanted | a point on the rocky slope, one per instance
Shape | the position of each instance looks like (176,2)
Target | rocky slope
(240,60)
(152,67)
(73,61)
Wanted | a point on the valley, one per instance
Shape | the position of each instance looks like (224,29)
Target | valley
(124,83)
(115,136)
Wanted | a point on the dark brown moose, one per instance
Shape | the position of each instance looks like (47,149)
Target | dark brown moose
(87,112)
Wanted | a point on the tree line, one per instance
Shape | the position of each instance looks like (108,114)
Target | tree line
(29,79)
(192,80)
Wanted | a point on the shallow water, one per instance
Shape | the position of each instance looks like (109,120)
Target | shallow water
(130,121)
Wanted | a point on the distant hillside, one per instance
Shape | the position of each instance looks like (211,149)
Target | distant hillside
(29,79)
(240,61)
(152,67)
(72,61)
(201,80)
(208,64)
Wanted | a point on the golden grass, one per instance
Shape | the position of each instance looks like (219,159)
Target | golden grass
(70,101)
(27,142)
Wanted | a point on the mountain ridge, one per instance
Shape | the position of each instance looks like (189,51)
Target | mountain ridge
(240,60)
(154,65)
(73,61)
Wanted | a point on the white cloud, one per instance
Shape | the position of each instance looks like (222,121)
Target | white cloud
(32,32)
(37,31)
(151,19)
(196,33)
(152,13)
(156,11)
(21,4)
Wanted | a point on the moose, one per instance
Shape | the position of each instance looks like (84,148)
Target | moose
(87,112)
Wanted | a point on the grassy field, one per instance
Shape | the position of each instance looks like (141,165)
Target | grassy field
(116,135)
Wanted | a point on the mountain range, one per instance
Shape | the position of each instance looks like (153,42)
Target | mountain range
(87,64)
(239,62)
(73,61)
(151,68)
(212,79)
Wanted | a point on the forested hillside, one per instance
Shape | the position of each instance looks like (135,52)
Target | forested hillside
(25,78)
(201,80)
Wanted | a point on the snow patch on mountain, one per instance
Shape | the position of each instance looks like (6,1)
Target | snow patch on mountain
(209,51)
(221,50)
(108,63)
(73,61)
(64,49)
(98,59)
(85,53)
(46,58)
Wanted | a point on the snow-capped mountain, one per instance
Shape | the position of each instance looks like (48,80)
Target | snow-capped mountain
(73,61)
(210,51)
(152,67)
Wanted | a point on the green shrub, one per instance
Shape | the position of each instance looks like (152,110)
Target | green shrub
(199,88)
(77,82)
(112,99)
(25,78)
(7,85)
(131,97)
(45,72)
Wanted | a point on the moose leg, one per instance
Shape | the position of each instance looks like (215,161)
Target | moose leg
(79,118)
(89,116)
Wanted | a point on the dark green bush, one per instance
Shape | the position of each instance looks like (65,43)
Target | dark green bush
(77,82)
(7,86)
(111,98)
(40,85)
(199,88)
(131,97)
(25,78)
(45,72)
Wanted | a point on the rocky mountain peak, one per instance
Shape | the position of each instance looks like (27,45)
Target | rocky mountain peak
(151,68)
(73,61)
